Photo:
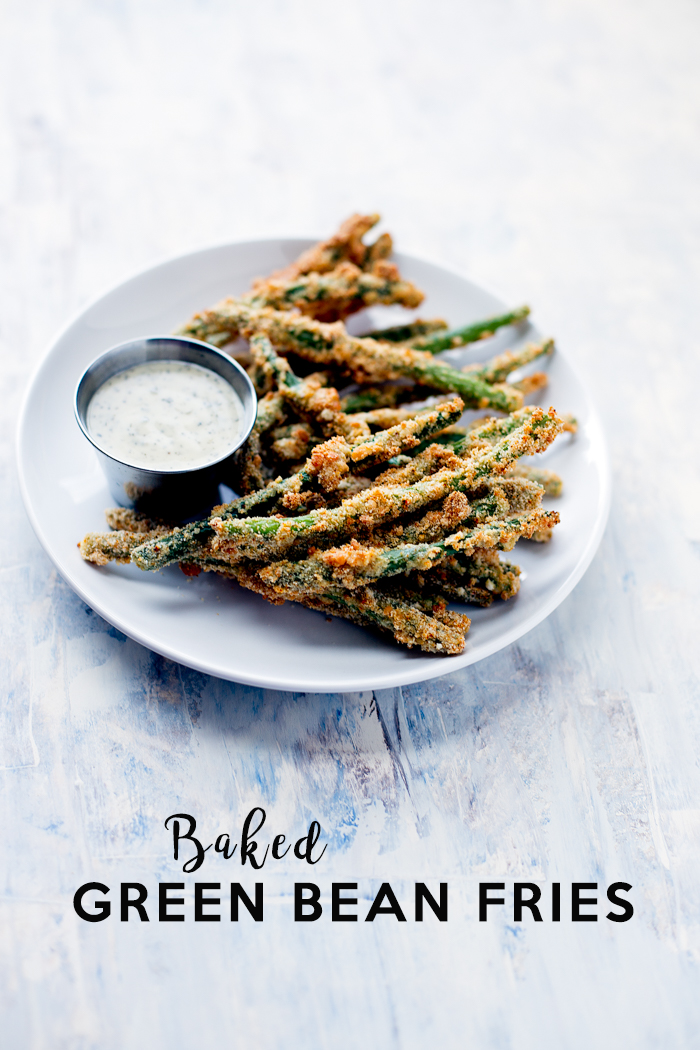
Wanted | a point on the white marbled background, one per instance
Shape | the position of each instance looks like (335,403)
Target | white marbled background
(550,149)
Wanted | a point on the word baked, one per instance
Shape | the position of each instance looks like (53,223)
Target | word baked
(247,847)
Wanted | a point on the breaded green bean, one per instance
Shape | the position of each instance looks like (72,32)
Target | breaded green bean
(499,368)
(367,360)
(271,412)
(413,620)
(502,535)
(321,406)
(434,525)
(410,625)
(522,494)
(450,438)
(338,293)
(426,461)
(482,432)
(103,547)
(484,568)
(404,333)
(272,537)
(492,428)
(291,442)
(368,398)
(334,458)
(406,434)
(477,578)
(470,333)
(310,397)
(383,418)
(428,600)
(346,243)
(550,482)
(328,463)
(355,564)
(431,584)
(182,542)
(443,634)
(276,369)
(364,359)
(499,498)
(330,281)
(376,252)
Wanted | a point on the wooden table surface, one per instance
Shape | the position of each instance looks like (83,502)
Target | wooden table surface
(550,149)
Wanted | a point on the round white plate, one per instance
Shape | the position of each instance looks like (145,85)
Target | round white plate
(215,626)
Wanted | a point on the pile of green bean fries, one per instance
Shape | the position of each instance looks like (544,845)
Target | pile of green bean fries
(371,504)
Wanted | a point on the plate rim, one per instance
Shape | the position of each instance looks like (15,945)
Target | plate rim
(268,681)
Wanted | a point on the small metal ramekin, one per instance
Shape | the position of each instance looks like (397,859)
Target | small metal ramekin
(173,495)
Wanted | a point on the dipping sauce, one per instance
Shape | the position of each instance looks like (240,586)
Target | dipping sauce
(165,415)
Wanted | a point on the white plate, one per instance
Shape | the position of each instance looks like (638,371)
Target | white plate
(212,624)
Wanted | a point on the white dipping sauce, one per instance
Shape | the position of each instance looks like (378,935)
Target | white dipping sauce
(165,415)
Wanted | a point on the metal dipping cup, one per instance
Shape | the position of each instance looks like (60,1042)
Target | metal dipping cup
(173,495)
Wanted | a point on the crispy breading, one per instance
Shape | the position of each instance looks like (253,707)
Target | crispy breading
(335,295)
(103,547)
(346,243)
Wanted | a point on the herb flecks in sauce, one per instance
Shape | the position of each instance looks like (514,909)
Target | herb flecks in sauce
(165,415)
